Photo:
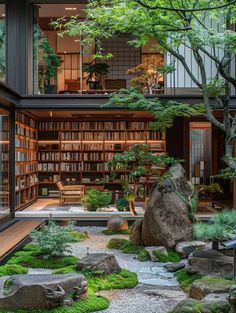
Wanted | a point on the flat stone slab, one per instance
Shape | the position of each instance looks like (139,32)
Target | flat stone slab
(173,267)
(169,294)
(156,271)
(159,282)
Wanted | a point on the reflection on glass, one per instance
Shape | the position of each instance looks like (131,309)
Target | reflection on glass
(2,42)
(4,164)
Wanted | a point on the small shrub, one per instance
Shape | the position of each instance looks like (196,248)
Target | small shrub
(170,257)
(53,239)
(185,278)
(12,269)
(95,199)
(122,205)
(79,236)
(143,256)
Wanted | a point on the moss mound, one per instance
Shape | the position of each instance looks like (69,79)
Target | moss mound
(124,279)
(12,269)
(126,246)
(194,306)
(185,278)
(109,232)
(91,304)
(65,270)
(79,236)
(30,256)
(170,257)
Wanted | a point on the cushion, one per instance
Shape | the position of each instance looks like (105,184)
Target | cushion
(72,192)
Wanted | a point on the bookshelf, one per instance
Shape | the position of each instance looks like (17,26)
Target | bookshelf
(26,160)
(78,150)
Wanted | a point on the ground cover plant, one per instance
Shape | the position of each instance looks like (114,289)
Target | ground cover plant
(12,269)
(185,278)
(110,232)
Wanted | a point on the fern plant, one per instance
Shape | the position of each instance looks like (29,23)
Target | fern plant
(95,199)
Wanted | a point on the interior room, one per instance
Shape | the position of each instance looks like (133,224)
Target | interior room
(66,65)
(73,147)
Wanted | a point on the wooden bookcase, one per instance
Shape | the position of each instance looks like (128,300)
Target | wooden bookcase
(78,150)
(26,137)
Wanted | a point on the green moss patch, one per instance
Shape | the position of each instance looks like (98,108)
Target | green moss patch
(79,236)
(12,269)
(126,246)
(185,278)
(216,281)
(32,258)
(91,304)
(170,257)
(123,280)
(109,232)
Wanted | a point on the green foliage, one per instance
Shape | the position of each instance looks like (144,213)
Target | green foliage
(196,306)
(93,303)
(53,239)
(170,257)
(79,236)
(221,227)
(35,259)
(123,280)
(12,269)
(110,232)
(95,70)
(209,189)
(122,204)
(127,247)
(163,112)
(95,199)
(185,278)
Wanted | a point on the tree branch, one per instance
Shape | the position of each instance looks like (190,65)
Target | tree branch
(158,7)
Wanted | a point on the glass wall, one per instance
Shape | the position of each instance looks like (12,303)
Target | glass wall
(2,42)
(4,164)
(63,65)
(200,152)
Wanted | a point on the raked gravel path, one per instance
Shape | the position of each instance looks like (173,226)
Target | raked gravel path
(157,291)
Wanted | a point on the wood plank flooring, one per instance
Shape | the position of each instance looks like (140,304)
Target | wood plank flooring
(10,237)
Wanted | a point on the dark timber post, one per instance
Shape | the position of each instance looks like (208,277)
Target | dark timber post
(19,45)
(12,190)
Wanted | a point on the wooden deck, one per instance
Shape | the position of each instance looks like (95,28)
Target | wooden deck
(16,233)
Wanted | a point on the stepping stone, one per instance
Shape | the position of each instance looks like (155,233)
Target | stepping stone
(169,294)
(159,282)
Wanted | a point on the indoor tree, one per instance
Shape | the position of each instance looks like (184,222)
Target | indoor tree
(203,27)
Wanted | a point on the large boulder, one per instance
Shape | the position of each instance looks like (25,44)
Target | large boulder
(40,291)
(105,263)
(185,248)
(209,284)
(210,262)
(173,267)
(168,218)
(117,223)
(194,306)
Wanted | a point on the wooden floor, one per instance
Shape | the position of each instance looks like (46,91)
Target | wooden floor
(16,233)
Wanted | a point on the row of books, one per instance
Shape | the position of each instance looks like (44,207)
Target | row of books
(26,181)
(48,167)
(93,156)
(90,146)
(26,195)
(25,119)
(24,131)
(4,135)
(4,156)
(70,167)
(71,156)
(24,156)
(23,169)
(49,156)
(25,143)
(72,125)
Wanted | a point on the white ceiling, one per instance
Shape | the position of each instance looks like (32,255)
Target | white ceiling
(59,10)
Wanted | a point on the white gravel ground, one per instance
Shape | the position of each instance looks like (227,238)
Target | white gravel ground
(134,300)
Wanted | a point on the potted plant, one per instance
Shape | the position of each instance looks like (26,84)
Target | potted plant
(95,73)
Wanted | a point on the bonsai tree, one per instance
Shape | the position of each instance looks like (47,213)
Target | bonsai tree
(147,74)
(139,162)
(95,73)
(221,227)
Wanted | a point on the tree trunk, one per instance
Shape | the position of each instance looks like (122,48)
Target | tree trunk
(132,207)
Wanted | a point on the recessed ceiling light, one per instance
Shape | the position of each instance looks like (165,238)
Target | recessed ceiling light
(77,40)
(3,14)
(70,9)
